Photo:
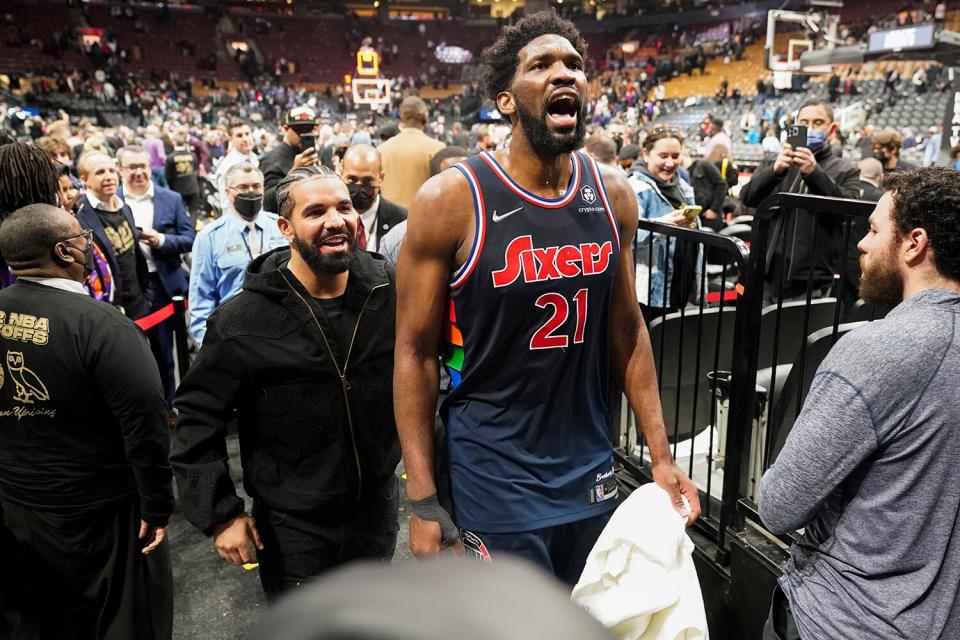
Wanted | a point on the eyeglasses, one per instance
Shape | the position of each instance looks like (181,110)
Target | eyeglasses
(240,188)
(666,131)
(86,234)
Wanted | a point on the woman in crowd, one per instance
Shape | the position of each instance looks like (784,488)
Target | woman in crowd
(671,278)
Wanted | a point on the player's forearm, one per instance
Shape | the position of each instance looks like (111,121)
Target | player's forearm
(416,379)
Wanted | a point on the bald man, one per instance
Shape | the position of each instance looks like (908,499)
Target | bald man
(406,156)
(85,485)
(871,175)
(602,148)
(362,170)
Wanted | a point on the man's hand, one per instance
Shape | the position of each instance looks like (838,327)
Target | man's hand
(784,159)
(710,214)
(151,536)
(306,158)
(432,529)
(803,158)
(151,238)
(675,482)
(232,540)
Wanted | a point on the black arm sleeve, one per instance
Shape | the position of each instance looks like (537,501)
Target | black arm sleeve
(124,369)
(719,187)
(762,184)
(205,401)
(845,184)
(272,175)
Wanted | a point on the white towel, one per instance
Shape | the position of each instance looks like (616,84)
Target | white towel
(639,580)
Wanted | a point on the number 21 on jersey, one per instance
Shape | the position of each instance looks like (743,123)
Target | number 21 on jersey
(546,337)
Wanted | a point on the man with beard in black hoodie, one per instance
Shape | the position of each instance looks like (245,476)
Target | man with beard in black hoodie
(304,357)
(810,169)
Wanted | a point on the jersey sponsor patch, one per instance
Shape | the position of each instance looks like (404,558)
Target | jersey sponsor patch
(474,546)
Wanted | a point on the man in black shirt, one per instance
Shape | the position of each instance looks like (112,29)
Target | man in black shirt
(304,357)
(290,153)
(85,486)
(114,231)
(181,172)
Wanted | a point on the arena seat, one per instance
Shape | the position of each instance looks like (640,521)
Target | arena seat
(715,345)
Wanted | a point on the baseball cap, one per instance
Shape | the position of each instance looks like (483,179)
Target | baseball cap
(300,116)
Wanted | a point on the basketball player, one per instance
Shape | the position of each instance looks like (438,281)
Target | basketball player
(520,261)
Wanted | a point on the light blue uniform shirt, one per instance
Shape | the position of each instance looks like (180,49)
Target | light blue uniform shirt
(221,254)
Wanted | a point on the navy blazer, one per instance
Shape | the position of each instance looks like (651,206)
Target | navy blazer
(88,219)
(170,218)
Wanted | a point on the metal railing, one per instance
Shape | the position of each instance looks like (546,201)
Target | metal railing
(733,371)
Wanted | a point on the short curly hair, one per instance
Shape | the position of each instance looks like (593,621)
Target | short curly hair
(501,58)
(929,199)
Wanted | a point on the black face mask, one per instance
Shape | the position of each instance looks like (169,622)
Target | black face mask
(248,204)
(361,195)
(89,262)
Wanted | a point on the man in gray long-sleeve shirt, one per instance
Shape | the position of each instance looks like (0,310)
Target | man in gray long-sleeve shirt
(870,468)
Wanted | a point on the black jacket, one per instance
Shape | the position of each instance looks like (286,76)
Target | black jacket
(83,422)
(311,440)
(709,187)
(389,215)
(275,164)
(834,177)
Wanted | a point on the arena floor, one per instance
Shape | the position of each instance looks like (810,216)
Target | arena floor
(214,600)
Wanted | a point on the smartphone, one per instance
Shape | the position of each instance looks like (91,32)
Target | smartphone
(691,211)
(797,135)
(307,141)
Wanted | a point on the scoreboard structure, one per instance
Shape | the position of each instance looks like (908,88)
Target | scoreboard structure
(367,87)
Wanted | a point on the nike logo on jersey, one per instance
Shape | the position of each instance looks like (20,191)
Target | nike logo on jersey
(497,218)
(551,263)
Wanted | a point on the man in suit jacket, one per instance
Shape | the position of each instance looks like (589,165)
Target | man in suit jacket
(406,156)
(362,170)
(114,232)
(165,232)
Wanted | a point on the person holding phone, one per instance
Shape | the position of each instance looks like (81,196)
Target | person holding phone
(663,196)
(805,164)
(297,149)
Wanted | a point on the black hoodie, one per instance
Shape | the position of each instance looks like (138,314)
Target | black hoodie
(316,426)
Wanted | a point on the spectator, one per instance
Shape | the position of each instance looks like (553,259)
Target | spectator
(931,148)
(709,189)
(158,155)
(868,469)
(406,156)
(320,447)
(886,148)
(602,148)
(85,486)
(225,247)
(441,161)
(114,231)
(361,170)
(165,233)
(241,152)
(289,153)
(812,168)
(661,196)
(67,192)
(717,137)
(182,171)
(628,156)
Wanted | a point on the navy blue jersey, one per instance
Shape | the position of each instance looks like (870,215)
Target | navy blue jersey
(526,349)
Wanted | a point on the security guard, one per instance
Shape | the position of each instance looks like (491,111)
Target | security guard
(85,485)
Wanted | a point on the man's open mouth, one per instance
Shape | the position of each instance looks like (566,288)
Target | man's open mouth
(563,109)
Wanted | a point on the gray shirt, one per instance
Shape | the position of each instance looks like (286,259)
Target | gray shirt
(872,470)
(390,243)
